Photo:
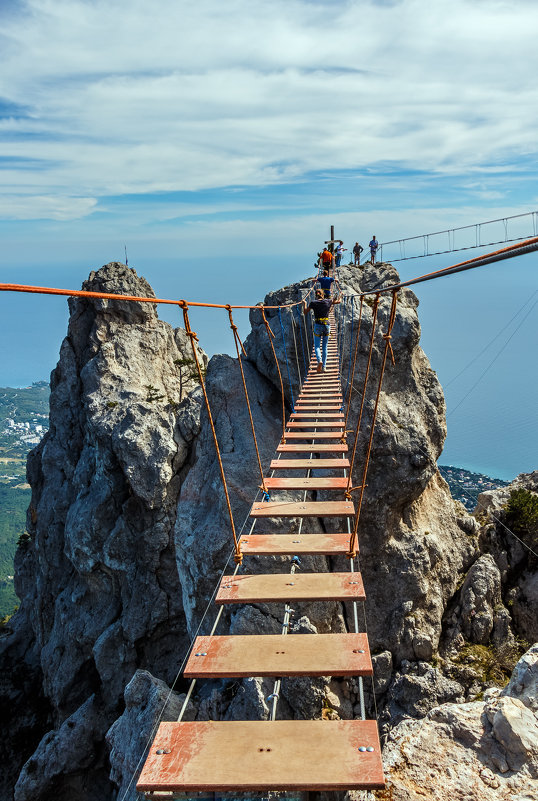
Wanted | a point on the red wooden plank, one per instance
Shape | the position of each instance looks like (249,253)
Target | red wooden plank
(317,423)
(282,587)
(313,435)
(239,655)
(302,509)
(308,415)
(291,544)
(308,464)
(299,448)
(329,483)
(259,755)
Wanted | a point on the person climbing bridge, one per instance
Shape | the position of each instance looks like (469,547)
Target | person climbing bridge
(327,259)
(339,252)
(325,283)
(374,244)
(321,307)
(357,250)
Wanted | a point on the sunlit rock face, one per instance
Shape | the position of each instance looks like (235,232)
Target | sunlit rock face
(130,533)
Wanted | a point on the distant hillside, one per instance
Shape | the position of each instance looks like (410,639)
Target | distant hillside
(465,486)
(24,419)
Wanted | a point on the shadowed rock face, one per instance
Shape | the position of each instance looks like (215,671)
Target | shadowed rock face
(130,533)
(98,582)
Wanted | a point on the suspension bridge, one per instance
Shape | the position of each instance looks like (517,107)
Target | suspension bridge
(316,453)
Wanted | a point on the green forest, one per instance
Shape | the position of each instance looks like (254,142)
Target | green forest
(13,505)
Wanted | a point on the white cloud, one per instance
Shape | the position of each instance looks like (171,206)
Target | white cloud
(130,97)
(52,207)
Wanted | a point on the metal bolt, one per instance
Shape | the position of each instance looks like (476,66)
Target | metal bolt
(362,748)
(358,651)
(370,748)
(202,653)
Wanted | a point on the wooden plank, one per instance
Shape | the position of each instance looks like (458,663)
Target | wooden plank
(315,483)
(305,406)
(289,447)
(315,423)
(260,755)
(282,587)
(313,415)
(295,544)
(236,656)
(313,435)
(302,509)
(308,464)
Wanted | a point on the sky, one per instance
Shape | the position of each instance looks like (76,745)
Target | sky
(217,142)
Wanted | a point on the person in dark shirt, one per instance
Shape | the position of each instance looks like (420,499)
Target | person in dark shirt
(325,283)
(374,244)
(357,250)
(321,307)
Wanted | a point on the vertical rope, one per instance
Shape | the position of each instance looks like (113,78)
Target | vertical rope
(300,379)
(271,337)
(306,337)
(363,398)
(350,381)
(238,556)
(341,329)
(238,343)
(286,357)
(350,343)
(299,310)
(388,349)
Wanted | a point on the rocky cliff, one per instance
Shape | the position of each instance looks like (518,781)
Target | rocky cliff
(129,534)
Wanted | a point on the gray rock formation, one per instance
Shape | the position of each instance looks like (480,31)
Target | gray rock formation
(99,590)
(130,533)
(487,749)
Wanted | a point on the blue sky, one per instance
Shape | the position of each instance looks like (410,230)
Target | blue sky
(220,141)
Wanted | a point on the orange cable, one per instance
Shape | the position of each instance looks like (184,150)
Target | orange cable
(79,293)
(387,338)
(238,556)
(238,340)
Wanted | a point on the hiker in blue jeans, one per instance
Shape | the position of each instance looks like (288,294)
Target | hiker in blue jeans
(321,307)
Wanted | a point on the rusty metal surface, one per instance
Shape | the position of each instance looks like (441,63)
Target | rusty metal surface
(234,656)
(309,464)
(315,483)
(269,587)
(302,509)
(263,755)
(291,544)
(298,448)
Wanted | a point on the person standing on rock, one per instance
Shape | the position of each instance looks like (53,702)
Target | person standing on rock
(325,283)
(321,307)
(357,250)
(374,244)
(339,252)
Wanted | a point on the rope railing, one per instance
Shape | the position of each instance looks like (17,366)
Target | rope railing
(425,239)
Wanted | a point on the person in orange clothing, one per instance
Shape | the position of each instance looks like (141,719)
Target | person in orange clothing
(327,259)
